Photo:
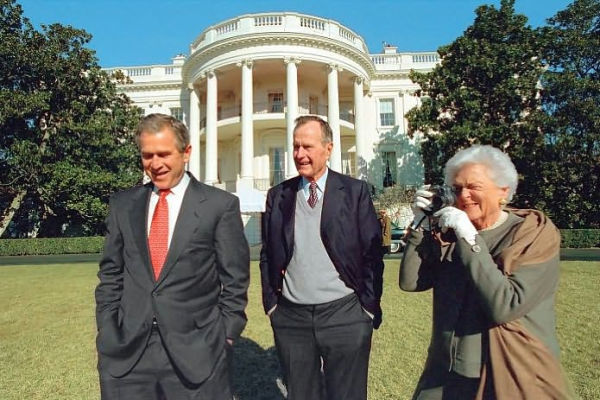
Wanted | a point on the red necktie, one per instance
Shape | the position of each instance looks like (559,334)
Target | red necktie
(158,241)
(312,199)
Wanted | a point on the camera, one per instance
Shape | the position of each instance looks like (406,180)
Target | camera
(443,196)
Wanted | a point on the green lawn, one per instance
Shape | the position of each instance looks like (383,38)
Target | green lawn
(47,331)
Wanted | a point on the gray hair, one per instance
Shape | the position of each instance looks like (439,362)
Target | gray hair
(501,169)
(326,133)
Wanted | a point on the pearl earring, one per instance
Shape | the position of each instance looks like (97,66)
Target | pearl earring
(502,202)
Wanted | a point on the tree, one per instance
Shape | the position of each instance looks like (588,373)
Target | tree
(66,135)
(571,98)
(485,91)
(396,200)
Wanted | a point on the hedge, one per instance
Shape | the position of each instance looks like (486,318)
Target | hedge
(580,238)
(571,238)
(44,246)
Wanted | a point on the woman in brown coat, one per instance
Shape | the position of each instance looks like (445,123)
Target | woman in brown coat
(494,274)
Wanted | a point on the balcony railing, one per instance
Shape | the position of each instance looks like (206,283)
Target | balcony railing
(405,61)
(230,111)
(152,73)
(262,184)
(278,23)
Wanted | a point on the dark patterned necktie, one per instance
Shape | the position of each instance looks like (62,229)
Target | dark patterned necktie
(158,241)
(312,199)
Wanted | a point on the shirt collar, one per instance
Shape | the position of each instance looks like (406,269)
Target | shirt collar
(320,183)
(179,189)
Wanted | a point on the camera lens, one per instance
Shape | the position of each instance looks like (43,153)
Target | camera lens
(443,196)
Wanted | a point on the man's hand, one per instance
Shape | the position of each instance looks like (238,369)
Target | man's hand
(453,218)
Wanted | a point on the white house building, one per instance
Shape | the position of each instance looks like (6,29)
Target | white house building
(246,79)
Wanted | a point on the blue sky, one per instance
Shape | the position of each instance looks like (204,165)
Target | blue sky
(137,32)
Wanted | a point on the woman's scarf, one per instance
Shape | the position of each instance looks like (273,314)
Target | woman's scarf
(519,365)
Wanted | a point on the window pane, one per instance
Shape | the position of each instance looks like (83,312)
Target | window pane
(386,112)
(177,112)
(276,161)
(386,106)
(276,102)
(390,168)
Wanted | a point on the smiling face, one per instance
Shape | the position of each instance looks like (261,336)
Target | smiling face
(161,159)
(310,153)
(478,195)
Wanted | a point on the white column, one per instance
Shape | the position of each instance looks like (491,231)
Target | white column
(333,117)
(210,171)
(194,164)
(247,173)
(291,113)
(361,156)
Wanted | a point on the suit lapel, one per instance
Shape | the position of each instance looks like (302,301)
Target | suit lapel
(333,198)
(187,222)
(138,217)
(288,208)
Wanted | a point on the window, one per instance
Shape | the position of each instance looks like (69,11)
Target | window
(386,112)
(177,112)
(347,111)
(348,164)
(276,165)
(389,168)
(276,102)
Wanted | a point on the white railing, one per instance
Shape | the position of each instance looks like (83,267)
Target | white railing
(227,27)
(405,61)
(138,71)
(149,73)
(381,59)
(312,23)
(284,22)
(268,20)
(425,58)
(345,33)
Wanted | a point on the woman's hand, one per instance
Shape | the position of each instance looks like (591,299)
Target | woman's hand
(421,203)
(453,218)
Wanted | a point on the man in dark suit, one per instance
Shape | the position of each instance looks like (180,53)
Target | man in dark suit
(173,279)
(321,267)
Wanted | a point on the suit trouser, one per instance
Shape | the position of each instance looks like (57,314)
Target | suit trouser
(154,377)
(335,336)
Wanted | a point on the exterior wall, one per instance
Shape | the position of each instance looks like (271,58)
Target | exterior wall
(321,50)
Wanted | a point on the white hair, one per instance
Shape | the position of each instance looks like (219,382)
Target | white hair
(501,169)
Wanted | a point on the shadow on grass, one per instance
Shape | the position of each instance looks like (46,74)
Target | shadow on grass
(255,372)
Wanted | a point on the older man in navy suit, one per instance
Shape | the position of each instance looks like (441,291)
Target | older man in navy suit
(173,279)
(321,266)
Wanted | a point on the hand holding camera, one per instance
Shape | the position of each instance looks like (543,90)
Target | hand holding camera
(452,218)
(428,200)
(433,208)
(421,208)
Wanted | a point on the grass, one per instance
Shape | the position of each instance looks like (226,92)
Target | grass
(47,331)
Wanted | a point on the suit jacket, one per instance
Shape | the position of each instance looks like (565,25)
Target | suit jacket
(350,233)
(200,296)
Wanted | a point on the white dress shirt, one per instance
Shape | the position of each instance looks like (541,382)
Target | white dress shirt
(174,200)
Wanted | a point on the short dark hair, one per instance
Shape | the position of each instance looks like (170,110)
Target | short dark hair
(154,123)
(326,133)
